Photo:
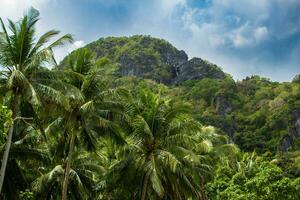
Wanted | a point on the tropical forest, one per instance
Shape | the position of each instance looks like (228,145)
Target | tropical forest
(133,117)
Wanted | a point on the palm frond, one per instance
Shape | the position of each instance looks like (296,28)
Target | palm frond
(68,38)
(54,126)
(155,179)
(46,37)
(168,159)
(46,182)
(141,127)
(26,153)
(32,16)
(7,39)
(18,80)
(52,95)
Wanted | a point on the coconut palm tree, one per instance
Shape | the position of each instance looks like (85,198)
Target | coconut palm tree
(160,142)
(83,175)
(119,178)
(19,178)
(21,57)
(25,156)
(89,111)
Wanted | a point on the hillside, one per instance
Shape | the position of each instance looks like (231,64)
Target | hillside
(152,58)
(256,113)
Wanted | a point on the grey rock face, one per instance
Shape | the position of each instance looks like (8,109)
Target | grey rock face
(134,67)
(196,68)
(297,128)
(152,58)
(294,132)
(177,68)
(161,68)
(286,143)
(174,58)
(222,105)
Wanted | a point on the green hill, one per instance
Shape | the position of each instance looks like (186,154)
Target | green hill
(152,58)
(256,113)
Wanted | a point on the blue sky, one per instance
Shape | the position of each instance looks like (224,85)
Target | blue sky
(244,37)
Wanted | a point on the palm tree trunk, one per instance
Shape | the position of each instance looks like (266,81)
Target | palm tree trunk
(201,191)
(8,144)
(68,168)
(145,185)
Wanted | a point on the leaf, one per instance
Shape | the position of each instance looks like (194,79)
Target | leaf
(68,38)
(168,160)
(53,95)
(155,180)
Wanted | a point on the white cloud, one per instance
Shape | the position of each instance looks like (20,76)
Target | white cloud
(14,9)
(260,33)
(240,41)
(252,9)
(79,43)
(230,33)
(168,6)
(238,28)
(60,53)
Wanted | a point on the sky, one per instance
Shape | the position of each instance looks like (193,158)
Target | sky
(243,37)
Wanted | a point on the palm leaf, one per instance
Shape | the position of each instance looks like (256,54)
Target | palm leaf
(155,180)
(46,37)
(61,41)
(53,95)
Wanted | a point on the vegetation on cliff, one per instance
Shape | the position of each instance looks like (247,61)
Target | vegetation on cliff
(134,118)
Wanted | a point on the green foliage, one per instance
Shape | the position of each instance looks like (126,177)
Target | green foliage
(102,124)
(297,79)
(152,125)
(256,113)
(26,195)
(5,122)
(81,61)
(289,162)
(255,179)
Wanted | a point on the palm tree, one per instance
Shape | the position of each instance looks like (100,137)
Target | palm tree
(160,142)
(119,170)
(18,180)
(83,176)
(88,113)
(25,155)
(22,56)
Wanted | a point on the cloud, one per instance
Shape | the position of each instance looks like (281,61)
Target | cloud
(224,24)
(258,37)
(14,9)
(261,33)
(60,53)
(79,43)
(168,6)
(240,41)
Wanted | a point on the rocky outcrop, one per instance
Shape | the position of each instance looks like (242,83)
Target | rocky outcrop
(222,105)
(296,79)
(294,132)
(196,68)
(152,58)
(223,108)
(286,143)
